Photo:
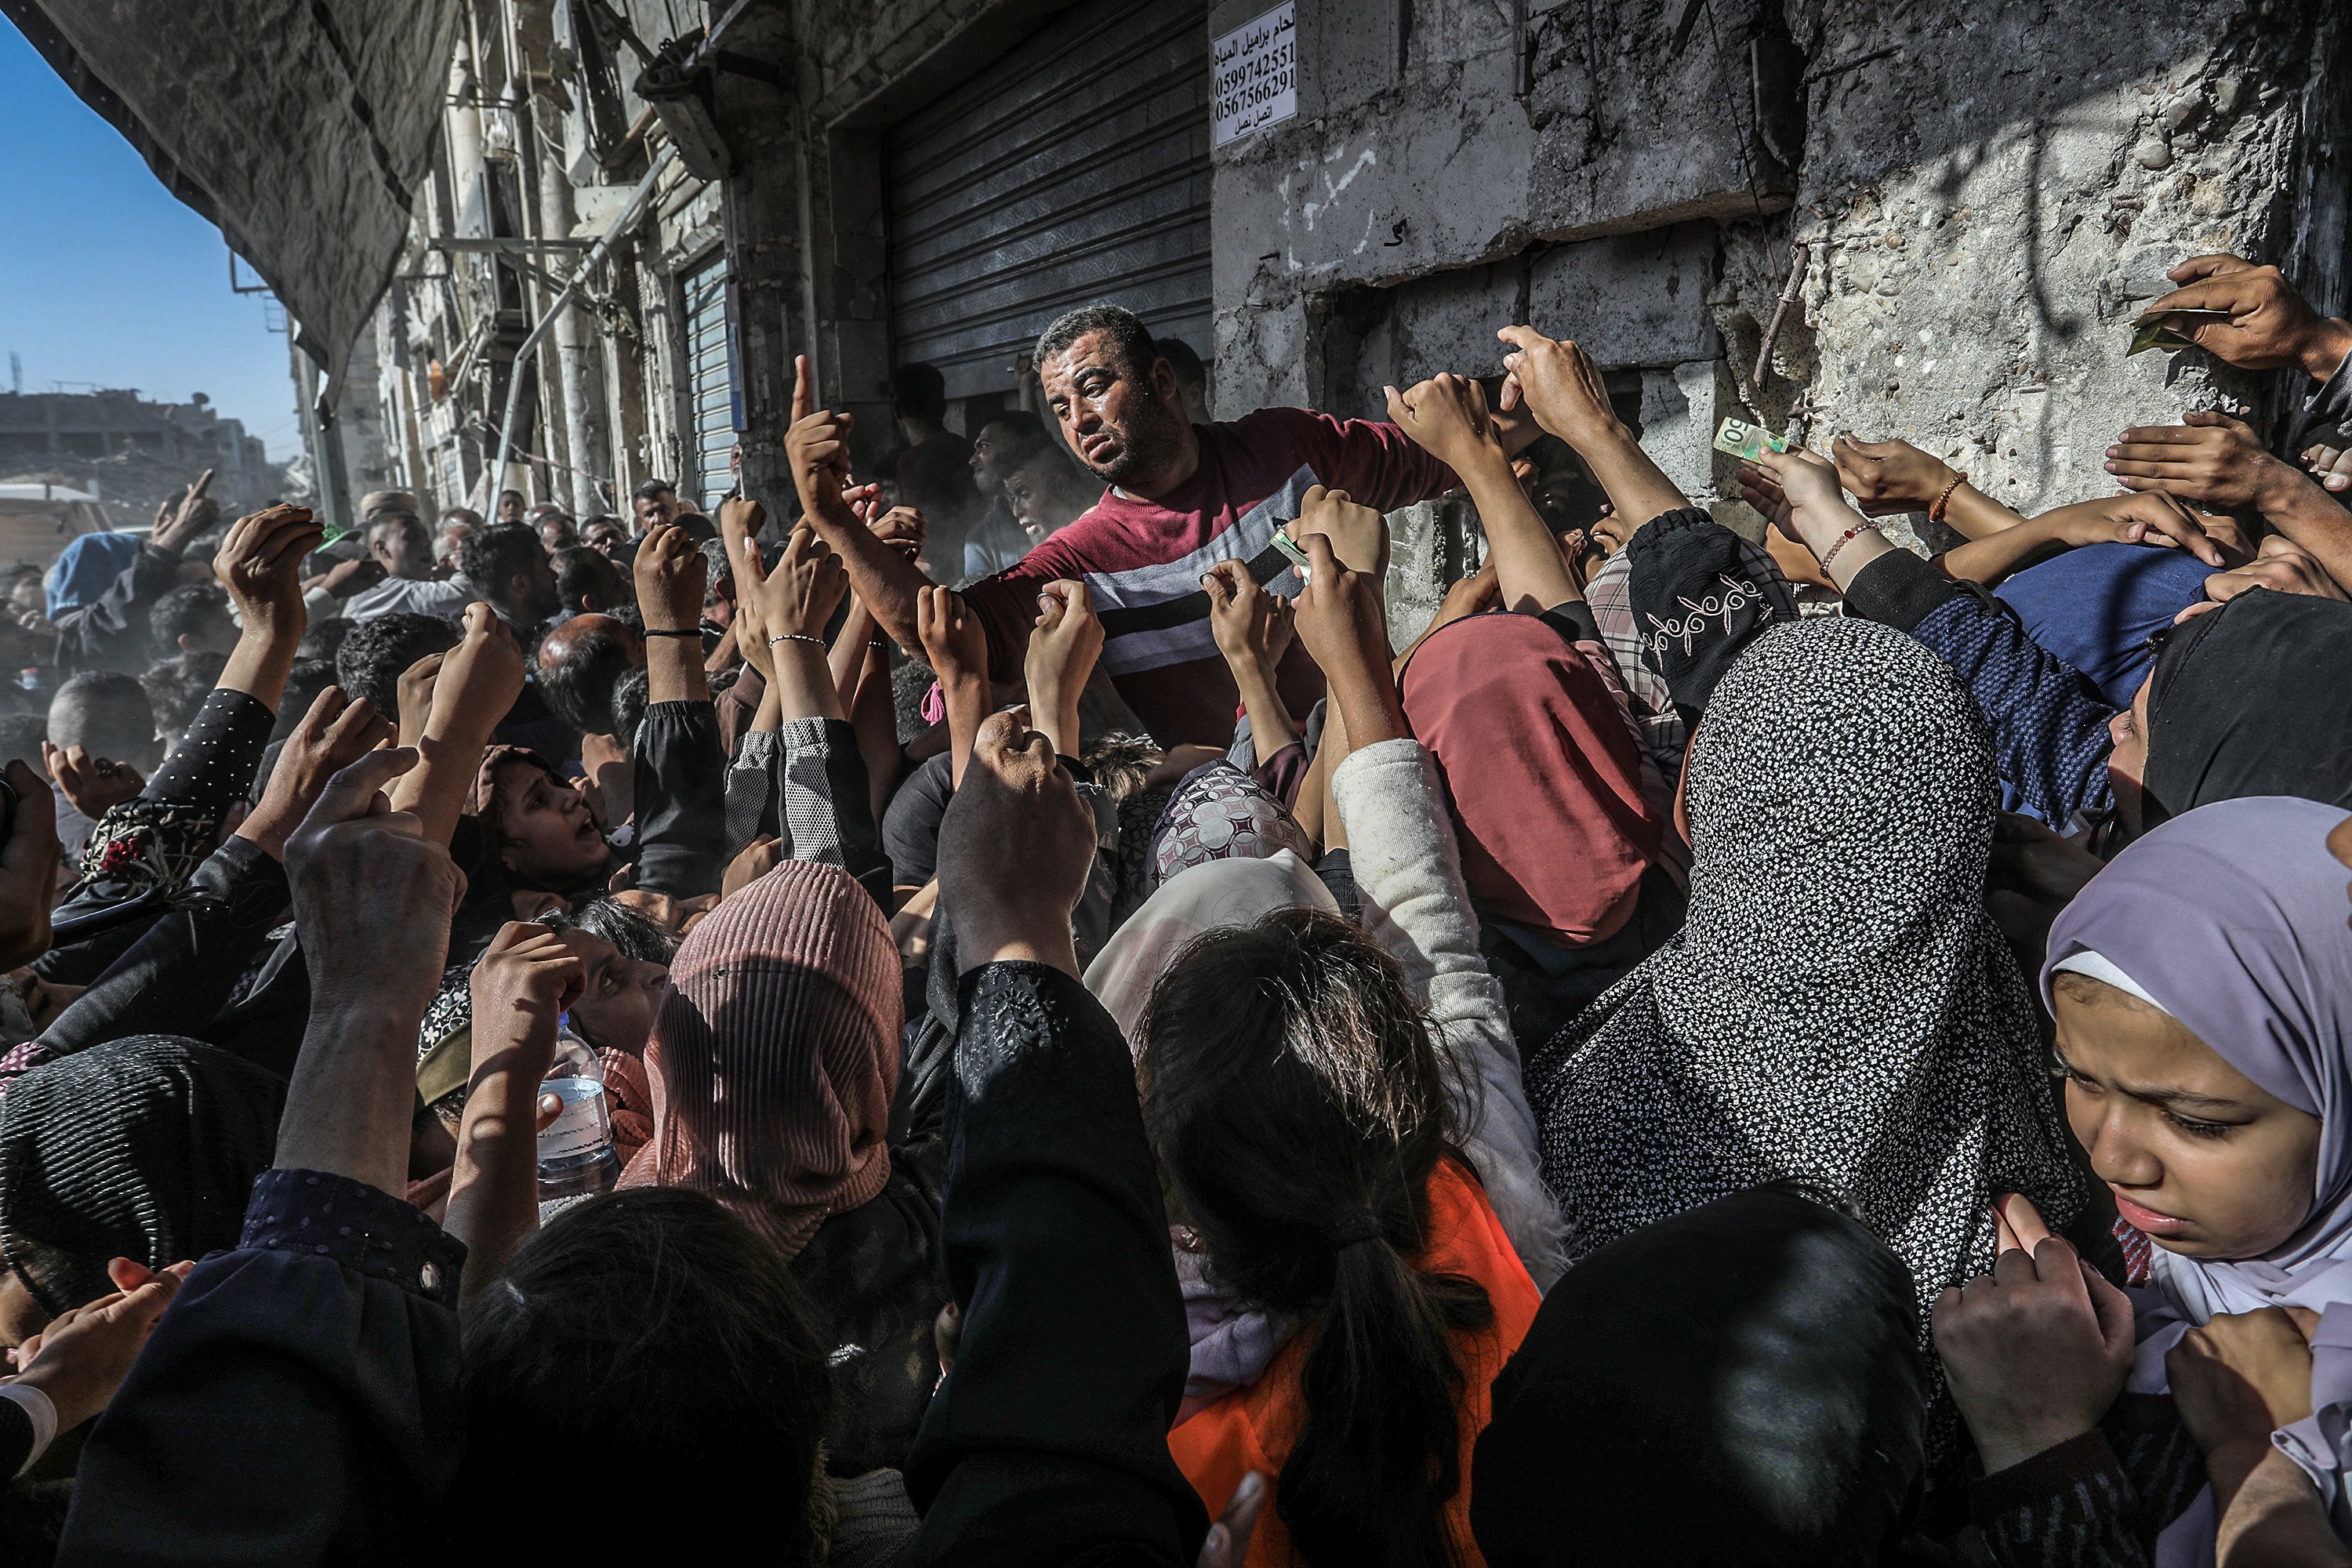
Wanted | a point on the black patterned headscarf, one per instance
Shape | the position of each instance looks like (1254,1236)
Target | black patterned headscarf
(1700,596)
(143,1148)
(1838,1007)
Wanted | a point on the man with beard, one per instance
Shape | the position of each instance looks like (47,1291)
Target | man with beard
(1182,498)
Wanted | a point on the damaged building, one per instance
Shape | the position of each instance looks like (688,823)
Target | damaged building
(601,229)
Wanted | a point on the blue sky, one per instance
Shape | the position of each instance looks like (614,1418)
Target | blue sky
(105,277)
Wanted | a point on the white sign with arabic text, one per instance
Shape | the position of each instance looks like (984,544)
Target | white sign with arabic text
(1255,80)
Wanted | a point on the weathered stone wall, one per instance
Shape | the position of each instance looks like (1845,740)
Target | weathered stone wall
(1992,205)
(1990,193)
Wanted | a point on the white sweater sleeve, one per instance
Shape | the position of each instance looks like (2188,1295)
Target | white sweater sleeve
(1408,872)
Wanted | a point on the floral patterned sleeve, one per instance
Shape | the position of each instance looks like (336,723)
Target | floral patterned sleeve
(160,838)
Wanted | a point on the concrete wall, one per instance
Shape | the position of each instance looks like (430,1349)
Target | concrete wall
(1992,192)
(1994,203)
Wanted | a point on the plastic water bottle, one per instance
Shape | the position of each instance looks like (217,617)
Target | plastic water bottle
(575,1151)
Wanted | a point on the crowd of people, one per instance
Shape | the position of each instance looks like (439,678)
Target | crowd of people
(1720,1049)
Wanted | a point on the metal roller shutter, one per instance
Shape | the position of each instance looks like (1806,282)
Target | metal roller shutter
(1073,169)
(712,413)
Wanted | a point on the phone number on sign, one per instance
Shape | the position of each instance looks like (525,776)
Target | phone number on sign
(1255,82)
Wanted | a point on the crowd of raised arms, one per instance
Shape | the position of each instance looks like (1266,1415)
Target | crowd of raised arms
(1719,1051)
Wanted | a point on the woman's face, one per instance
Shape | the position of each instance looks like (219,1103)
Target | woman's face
(2127,764)
(552,841)
(615,1009)
(2200,1157)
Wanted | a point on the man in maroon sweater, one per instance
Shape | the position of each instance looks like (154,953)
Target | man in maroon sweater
(1182,497)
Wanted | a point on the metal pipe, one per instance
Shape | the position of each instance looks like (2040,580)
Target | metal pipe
(626,220)
(1800,254)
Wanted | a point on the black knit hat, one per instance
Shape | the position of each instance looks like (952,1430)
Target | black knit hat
(144,1148)
(1700,594)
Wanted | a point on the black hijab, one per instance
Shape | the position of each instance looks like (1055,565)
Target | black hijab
(143,1148)
(2253,699)
(1740,1383)
(1700,594)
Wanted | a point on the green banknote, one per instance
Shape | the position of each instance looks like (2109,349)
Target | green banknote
(1750,442)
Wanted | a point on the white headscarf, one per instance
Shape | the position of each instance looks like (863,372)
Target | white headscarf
(1215,895)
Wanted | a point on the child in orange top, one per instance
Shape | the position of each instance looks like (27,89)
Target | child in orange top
(1253,1428)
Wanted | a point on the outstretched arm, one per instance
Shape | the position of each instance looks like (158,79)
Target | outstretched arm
(817,447)
(1558,382)
(1448,414)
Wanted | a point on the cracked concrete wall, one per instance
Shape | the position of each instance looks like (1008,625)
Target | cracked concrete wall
(1994,203)
(1991,193)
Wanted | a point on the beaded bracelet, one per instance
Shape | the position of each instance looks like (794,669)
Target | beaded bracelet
(1936,512)
(1847,538)
(794,636)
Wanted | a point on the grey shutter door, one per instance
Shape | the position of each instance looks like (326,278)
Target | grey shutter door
(1073,170)
(710,381)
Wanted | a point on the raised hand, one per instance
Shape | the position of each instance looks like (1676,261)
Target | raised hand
(2035,1351)
(2269,324)
(28,868)
(816,449)
(335,734)
(414,692)
(798,596)
(184,515)
(953,639)
(1560,384)
(373,898)
(1890,476)
(755,860)
(1063,649)
(1015,805)
(741,517)
(1358,534)
(1254,629)
(479,679)
(1447,416)
(1342,624)
(671,575)
(520,986)
(260,565)
(91,786)
(903,529)
(373,902)
(1247,622)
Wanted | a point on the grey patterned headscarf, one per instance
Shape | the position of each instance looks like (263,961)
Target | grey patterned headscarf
(1838,1006)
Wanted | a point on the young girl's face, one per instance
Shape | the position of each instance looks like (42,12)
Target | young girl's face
(2199,1156)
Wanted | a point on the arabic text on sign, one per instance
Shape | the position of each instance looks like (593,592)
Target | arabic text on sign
(1255,80)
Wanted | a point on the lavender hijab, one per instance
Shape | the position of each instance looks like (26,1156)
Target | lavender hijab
(2233,919)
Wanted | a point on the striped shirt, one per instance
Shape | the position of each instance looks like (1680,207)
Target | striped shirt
(1142,560)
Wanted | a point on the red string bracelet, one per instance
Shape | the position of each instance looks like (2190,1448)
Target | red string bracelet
(1847,538)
